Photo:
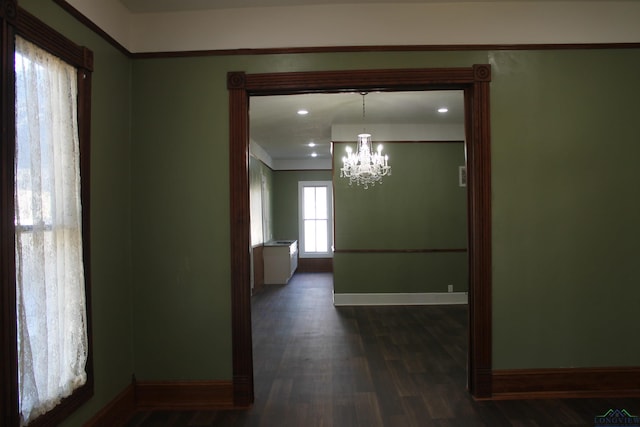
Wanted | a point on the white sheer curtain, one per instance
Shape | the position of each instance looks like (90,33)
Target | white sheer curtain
(52,336)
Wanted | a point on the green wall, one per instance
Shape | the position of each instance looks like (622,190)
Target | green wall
(181,263)
(565,145)
(371,273)
(111,192)
(421,206)
(285,200)
(562,164)
(564,209)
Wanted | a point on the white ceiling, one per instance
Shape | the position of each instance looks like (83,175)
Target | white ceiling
(146,6)
(283,134)
(273,120)
(176,25)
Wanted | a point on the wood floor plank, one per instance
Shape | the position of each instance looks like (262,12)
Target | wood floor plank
(368,410)
(316,365)
(438,403)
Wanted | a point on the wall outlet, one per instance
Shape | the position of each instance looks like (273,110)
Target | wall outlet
(450,288)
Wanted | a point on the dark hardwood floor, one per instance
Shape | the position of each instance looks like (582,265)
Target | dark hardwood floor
(317,365)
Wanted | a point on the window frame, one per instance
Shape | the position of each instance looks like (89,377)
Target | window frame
(301,236)
(17,21)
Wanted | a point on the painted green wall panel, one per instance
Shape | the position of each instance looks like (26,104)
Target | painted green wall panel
(565,218)
(541,115)
(285,199)
(181,221)
(181,202)
(400,272)
(349,61)
(420,206)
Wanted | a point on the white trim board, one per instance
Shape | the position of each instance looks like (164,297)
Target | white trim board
(431,298)
(406,23)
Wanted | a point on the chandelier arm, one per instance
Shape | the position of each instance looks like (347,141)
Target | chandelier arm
(365,166)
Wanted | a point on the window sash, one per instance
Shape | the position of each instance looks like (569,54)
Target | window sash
(50,298)
(315,219)
(26,25)
(315,236)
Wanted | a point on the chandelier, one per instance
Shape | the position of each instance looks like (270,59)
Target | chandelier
(365,167)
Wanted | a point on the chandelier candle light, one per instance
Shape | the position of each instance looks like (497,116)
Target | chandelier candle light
(365,167)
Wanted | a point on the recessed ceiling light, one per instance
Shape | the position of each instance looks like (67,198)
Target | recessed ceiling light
(443,110)
(303,112)
(312,144)
(314,154)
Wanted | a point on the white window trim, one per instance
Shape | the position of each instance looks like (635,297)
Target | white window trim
(329,186)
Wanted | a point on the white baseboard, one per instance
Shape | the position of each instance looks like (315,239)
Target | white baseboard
(431,298)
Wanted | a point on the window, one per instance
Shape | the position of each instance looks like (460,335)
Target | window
(50,298)
(316,225)
(47,363)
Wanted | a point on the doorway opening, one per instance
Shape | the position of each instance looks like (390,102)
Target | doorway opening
(474,82)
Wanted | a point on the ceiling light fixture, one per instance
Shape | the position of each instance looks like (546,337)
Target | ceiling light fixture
(365,167)
(303,112)
(443,110)
(314,154)
(312,144)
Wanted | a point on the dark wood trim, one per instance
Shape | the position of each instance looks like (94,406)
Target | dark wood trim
(315,265)
(8,11)
(566,383)
(32,29)
(397,251)
(240,240)
(478,147)
(184,395)
(92,26)
(163,396)
(8,331)
(474,81)
(341,81)
(117,412)
(383,48)
(84,79)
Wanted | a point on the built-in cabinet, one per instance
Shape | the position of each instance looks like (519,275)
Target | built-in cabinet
(280,261)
